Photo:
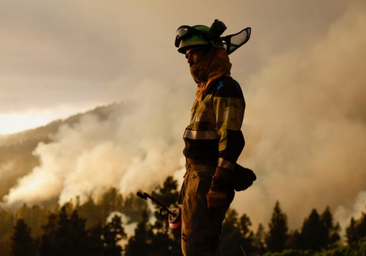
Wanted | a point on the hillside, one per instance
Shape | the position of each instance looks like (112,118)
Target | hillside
(16,150)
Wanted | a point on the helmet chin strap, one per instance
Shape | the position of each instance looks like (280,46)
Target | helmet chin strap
(234,41)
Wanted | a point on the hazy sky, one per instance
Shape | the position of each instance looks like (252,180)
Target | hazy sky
(60,57)
(302,73)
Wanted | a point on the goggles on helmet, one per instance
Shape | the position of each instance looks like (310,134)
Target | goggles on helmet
(188,31)
(202,35)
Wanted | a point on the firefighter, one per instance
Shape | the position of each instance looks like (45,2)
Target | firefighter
(213,138)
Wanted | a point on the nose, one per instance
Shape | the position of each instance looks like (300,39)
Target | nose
(190,59)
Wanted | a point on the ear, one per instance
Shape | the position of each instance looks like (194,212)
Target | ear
(234,41)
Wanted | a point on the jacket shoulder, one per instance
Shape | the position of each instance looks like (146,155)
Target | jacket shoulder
(228,87)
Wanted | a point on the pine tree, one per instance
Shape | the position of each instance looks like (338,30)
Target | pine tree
(62,242)
(133,207)
(140,243)
(294,240)
(361,227)
(236,235)
(77,238)
(351,232)
(111,201)
(167,193)
(6,230)
(90,211)
(95,240)
(34,216)
(113,234)
(230,240)
(22,242)
(48,240)
(64,235)
(246,234)
(312,232)
(165,242)
(278,230)
(330,231)
(357,229)
(259,241)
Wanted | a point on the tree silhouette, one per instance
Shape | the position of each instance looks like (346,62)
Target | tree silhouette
(48,240)
(236,235)
(62,240)
(246,234)
(111,201)
(330,231)
(64,232)
(259,241)
(112,235)
(90,211)
(168,195)
(6,230)
(34,216)
(140,243)
(165,241)
(78,236)
(133,207)
(64,235)
(278,230)
(22,242)
(230,239)
(356,230)
(294,240)
(95,241)
(351,232)
(312,232)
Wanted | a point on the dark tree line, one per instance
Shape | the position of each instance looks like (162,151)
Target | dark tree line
(51,230)
(318,232)
(65,234)
(357,229)
(81,229)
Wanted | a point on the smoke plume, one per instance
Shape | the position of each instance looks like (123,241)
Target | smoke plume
(136,147)
(306,125)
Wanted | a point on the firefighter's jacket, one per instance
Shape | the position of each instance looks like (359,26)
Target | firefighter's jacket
(214,133)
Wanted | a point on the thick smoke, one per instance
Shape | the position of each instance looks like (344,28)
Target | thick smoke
(306,125)
(136,147)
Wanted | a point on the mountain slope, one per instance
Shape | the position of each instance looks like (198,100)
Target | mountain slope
(16,150)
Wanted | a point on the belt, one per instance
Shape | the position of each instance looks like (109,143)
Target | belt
(200,162)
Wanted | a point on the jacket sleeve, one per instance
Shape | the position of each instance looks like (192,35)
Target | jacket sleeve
(229,107)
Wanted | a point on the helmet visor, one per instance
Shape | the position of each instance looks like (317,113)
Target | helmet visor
(234,41)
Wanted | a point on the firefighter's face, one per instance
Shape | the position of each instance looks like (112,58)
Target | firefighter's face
(194,55)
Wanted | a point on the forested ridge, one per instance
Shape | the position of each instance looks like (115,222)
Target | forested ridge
(97,228)
(17,150)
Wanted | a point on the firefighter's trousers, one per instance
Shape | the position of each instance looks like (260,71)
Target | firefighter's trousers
(201,227)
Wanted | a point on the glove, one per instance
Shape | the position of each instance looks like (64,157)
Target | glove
(220,188)
(217,199)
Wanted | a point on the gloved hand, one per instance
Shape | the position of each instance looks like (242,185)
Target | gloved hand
(220,190)
(216,199)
